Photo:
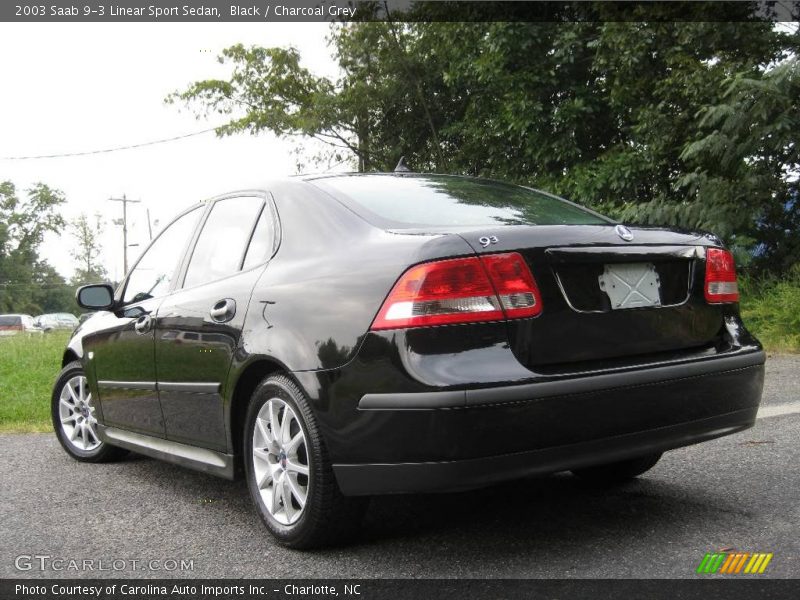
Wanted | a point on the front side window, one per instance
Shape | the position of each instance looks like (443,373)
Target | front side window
(152,275)
(220,246)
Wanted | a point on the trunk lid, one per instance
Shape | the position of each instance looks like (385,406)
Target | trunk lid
(581,320)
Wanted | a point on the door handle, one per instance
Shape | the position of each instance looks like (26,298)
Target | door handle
(142,324)
(223,311)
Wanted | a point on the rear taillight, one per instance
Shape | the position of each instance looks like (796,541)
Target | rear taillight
(461,290)
(514,283)
(720,285)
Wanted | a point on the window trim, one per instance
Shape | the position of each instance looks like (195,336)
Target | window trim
(274,223)
(246,248)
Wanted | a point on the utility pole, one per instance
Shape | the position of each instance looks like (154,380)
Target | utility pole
(124,201)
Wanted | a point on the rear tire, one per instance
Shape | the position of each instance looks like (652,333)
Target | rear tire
(72,411)
(618,472)
(289,474)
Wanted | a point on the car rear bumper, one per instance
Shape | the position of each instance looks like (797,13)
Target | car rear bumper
(491,434)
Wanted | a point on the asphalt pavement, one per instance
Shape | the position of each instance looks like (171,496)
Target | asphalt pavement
(737,493)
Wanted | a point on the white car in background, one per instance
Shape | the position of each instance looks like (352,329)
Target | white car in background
(53,321)
(13,324)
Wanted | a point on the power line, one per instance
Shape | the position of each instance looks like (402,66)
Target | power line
(115,149)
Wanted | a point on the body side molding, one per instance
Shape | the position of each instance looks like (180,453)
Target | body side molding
(190,387)
(167,386)
(127,385)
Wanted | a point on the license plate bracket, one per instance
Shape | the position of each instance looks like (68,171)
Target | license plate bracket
(631,285)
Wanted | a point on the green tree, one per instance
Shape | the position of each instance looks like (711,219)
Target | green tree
(635,118)
(27,283)
(746,154)
(87,251)
(51,292)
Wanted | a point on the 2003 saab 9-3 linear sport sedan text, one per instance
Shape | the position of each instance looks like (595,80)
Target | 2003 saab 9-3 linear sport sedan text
(349,335)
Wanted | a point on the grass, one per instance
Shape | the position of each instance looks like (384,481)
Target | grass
(771,310)
(28,369)
(28,366)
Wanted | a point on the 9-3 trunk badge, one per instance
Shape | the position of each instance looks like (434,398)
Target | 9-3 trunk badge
(488,239)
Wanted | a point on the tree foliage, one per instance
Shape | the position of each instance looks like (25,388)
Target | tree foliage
(87,253)
(29,284)
(688,124)
(746,159)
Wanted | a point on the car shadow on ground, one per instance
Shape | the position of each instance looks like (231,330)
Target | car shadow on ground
(522,516)
(530,513)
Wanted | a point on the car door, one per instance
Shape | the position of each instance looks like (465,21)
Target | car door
(120,349)
(199,325)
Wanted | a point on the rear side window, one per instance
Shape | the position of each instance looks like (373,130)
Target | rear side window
(220,247)
(262,241)
(431,200)
(6,321)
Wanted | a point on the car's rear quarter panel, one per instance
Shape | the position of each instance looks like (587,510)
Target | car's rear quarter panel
(318,296)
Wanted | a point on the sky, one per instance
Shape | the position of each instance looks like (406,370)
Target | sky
(86,86)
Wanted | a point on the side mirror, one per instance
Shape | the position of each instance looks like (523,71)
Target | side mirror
(98,296)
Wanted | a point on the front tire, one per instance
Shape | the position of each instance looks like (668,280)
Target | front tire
(288,471)
(618,472)
(73,415)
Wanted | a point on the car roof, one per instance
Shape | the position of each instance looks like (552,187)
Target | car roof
(303,178)
(409,174)
(310,176)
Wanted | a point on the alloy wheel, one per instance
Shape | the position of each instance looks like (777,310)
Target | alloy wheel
(76,414)
(280,461)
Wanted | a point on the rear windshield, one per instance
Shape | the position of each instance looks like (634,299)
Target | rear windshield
(441,200)
(7,320)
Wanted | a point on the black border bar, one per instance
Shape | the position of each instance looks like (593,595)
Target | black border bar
(696,587)
(266,11)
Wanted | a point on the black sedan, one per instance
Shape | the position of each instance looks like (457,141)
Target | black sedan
(341,336)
